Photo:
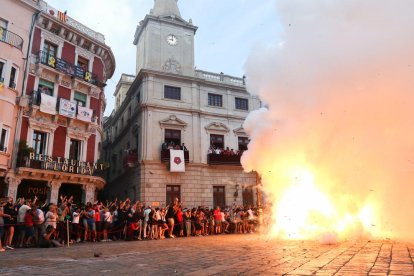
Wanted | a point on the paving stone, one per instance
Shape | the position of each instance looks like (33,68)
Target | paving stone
(215,255)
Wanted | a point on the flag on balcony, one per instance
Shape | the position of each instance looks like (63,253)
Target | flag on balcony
(67,108)
(47,104)
(62,16)
(177,161)
(84,114)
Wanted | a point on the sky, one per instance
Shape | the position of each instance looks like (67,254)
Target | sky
(228,31)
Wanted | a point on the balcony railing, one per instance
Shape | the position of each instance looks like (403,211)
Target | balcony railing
(223,159)
(25,162)
(131,159)
(68,68)
(36,100)
(11,38)
(165,155)
(221,78)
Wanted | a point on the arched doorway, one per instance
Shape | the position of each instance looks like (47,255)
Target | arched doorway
(68,190)
(31,188)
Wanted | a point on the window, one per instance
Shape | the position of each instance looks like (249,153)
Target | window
(39,142)
(3,28)
(217,141)
(171,92)
(49,54)
(75,149)
(80,99)
(172,136)
(83,63)
(46,87)
(4,138)
(247,196)
(215,100)
(242,104)
(243,141)
(172,192)
(219,196)
(13,77)
(2,67)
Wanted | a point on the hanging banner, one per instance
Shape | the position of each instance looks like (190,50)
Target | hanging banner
(177,162)
(47,104)
(67,108)
(84,114)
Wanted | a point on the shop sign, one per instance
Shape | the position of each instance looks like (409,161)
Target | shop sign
(66,165)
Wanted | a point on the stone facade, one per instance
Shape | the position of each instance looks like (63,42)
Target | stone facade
(170,97)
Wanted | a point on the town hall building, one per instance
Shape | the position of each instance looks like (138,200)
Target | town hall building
(169,102)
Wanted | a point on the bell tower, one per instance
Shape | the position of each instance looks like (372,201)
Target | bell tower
(165,41)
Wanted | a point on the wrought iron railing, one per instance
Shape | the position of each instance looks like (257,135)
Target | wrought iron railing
(165,155)
(11,38)
(68,68)
(26,162)
(223,159)
(131,159)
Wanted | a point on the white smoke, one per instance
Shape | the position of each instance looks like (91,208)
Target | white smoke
(340,90)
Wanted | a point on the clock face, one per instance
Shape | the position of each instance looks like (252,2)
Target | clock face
(172,39)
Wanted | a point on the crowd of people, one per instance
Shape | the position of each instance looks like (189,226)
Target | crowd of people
(227,151)
(25,223)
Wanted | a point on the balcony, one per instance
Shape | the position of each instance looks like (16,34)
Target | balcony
(223,159)
(165,155)
(131,159)
(221,78)
(54,166)
(11,38)
(68,68)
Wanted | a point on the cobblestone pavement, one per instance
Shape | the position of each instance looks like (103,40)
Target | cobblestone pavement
(215,255)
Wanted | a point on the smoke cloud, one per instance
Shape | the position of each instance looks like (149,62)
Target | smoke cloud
(339,86)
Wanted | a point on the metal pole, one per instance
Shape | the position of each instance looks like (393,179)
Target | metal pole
(67,230)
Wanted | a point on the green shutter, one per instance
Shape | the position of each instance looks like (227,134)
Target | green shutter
(48,84)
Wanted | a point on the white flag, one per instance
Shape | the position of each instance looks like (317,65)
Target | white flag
(177,161)
(47,104)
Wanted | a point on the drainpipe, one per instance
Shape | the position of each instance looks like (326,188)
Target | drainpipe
(17,130)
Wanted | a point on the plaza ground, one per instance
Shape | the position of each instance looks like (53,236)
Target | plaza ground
(248,254)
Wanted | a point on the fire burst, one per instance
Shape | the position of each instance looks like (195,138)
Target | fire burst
(305,212)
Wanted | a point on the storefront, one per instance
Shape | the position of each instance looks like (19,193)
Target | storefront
(29,189)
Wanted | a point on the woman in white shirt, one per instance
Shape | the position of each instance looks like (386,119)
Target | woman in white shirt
(107,223)
(51,217)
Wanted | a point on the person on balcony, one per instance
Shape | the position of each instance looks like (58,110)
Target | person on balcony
(183,147)
(164,146)
(226,151)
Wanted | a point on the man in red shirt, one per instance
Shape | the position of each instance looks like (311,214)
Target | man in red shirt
(29,226)
(217,220)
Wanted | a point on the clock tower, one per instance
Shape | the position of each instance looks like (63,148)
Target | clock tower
(165,41)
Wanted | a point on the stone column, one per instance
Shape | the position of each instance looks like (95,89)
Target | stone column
(54,187)
(13,184)
(88,193)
